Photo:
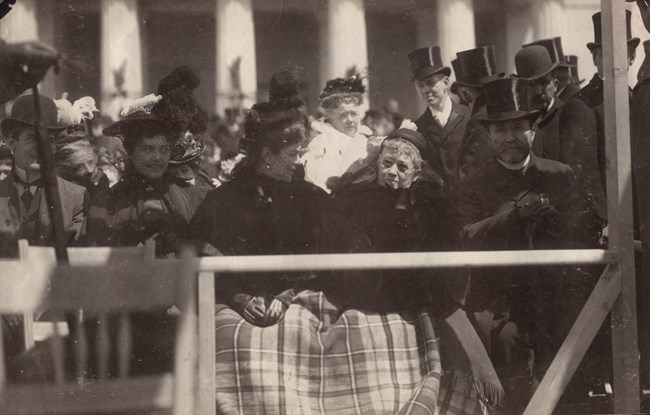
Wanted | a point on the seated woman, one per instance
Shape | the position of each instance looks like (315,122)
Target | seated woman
(341,139)
(399,202)
(300,343)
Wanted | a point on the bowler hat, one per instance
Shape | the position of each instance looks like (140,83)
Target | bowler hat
(412,137)
(508,99)
(533,62)
(426,62)
(23,112)
(598,35)
(554,48)
(478,66)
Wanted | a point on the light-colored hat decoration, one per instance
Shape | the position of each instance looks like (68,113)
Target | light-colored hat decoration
(142,106)
(75,114)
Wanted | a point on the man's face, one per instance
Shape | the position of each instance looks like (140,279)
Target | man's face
(23,143)
(563,76)
(511,140)
(597,55)
(346,118)
(150,156)
(5,168)
(543,91)
(433,90)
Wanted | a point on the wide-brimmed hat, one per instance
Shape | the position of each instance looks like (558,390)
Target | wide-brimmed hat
(426,62)
(508,99)
(186,150)
(412,136)
(598,34)
(23,112)
(554,48)
(533,62)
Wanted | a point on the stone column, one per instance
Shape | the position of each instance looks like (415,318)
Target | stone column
(548,18)
(121,55)
(455,22)
(345,40)
(236,62)
(21,23)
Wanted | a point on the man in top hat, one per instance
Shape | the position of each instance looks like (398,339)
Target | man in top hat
(592,93)
(520,201)
(443,122)
(566,131)
(477,66)
(23,206)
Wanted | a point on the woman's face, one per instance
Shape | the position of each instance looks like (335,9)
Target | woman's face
(283,164)
(396,170)
(346,118)
(150,156)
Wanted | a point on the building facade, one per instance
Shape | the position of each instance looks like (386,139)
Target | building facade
(117,50)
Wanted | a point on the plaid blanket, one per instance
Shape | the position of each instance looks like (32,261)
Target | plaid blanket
(321,359)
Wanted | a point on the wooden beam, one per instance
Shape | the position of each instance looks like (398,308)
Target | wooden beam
(323,262)
(578,340)
(619,192)
(207,346)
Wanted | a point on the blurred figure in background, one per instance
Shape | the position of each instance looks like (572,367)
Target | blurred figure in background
(379,122)
(6,161)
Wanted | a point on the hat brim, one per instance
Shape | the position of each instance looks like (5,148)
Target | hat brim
(189,157)
(430,71)
(634,42)
(509,116)
(9,124)
(117,128)
(536,77)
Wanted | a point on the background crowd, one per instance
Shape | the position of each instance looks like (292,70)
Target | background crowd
(496,162)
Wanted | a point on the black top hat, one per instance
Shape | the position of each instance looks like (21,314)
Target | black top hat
(533,62)
(554,48)
(426,62)
(508,99)
(411,136)
(478,66)
(598,35)
(459,75)
(23,112)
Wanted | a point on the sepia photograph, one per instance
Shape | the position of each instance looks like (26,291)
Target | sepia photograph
(233,207)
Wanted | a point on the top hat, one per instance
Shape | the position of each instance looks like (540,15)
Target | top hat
(426,62)
(554,48)
(533,62)
(459,75)
(572,61)
(508,99)
(477,66)
(598,35)
(23,112)
(411,136)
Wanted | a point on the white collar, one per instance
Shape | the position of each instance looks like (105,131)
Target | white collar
(522,165)
(22,174)
(323,127)
(443,116)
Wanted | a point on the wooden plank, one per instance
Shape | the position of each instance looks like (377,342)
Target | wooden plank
(619,190)
(207,347)
(323,262)
(28,315)
(578,340)
(112,396)
(186,351)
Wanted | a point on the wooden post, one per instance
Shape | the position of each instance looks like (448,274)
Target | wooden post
(619,192)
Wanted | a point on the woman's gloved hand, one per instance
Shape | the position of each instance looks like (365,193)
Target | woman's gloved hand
(275,312)
(255,311)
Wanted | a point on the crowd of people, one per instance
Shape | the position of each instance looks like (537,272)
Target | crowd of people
(495,162)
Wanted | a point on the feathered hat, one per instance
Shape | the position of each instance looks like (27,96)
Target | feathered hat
(342,87)
(269,120)
(75,115)
(173,105)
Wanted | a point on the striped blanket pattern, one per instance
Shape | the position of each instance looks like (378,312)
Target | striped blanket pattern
(322,360)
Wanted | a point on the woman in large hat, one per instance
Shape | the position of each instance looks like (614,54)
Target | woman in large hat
(147,203)
(341,139)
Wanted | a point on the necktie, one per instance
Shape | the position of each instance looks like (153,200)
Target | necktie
(27,198)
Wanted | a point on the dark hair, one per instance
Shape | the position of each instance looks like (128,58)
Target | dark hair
(135,132)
